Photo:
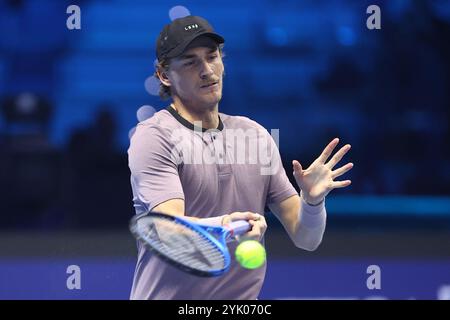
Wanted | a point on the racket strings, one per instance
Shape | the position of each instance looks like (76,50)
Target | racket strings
(181,243)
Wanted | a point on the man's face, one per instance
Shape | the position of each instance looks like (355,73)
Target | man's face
(196,75)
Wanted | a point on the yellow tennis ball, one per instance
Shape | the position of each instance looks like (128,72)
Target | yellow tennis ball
(250,254)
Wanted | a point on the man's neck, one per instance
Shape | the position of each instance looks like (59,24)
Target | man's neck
(209,116)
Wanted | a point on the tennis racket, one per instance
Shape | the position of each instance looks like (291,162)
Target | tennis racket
(194,248)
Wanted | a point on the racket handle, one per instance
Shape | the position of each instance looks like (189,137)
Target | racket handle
(238,227)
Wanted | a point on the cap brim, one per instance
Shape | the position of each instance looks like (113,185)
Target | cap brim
(180,49)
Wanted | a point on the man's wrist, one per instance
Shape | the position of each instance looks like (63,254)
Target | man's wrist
(213,221)
(309,203)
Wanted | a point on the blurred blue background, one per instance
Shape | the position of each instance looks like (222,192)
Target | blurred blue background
(69,100)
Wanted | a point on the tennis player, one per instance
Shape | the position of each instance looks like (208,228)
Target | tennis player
(190,160)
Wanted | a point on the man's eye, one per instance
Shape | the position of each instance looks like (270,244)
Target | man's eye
(213,57)
(189,63)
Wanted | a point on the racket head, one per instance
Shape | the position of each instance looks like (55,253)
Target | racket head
(187,246)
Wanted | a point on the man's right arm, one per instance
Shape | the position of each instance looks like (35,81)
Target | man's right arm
(176,207)
(173,206)
(154,171)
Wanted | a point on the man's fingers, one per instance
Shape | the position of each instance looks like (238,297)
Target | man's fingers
(297,166)
(247,215)
(338,156)
(339,172)
(258,229)
(257,222)
(226,220)
(328,150)
(340,184)
(261,222)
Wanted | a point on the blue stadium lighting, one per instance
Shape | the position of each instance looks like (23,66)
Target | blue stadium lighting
(346,36)
(277,36)
(131,132)
(145,112)
(178,12)
(151,85)
(26,103)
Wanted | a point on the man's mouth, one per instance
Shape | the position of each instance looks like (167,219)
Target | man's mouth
(210,84)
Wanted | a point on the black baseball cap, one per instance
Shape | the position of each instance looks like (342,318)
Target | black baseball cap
(177,35)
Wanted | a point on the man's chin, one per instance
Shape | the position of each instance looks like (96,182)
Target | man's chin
(203,102)
(210,100)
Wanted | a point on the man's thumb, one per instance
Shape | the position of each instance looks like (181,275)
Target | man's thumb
(297,166)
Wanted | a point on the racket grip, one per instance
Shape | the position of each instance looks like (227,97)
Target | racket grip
(238,227)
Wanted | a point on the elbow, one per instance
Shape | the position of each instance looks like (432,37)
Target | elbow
(310,243)
(309,239)
(309,246)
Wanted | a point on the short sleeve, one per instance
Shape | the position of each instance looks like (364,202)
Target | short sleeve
(280,188)
(154,170)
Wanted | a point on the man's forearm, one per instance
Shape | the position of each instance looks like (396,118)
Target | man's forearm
(311,226)
(212,221)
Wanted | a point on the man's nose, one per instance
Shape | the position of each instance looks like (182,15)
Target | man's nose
(206,70)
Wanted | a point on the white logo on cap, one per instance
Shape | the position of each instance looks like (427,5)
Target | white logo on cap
(191,26)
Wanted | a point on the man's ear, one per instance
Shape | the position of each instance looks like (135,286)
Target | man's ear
(162,75)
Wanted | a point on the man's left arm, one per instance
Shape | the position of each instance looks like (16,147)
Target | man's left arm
(305,224)
(304,216)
